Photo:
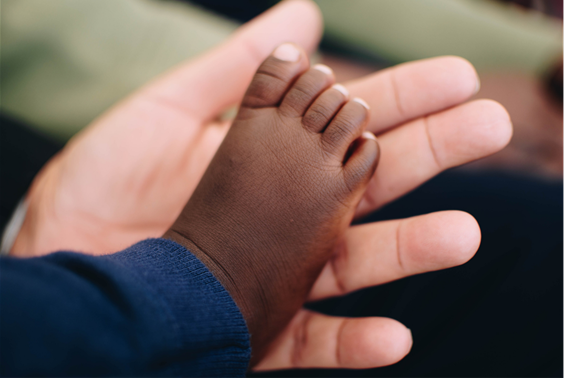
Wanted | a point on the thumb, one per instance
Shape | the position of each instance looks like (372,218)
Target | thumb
(208,85)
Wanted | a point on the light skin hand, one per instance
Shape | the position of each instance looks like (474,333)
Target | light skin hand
(421,127)
(372,254)
(128,176)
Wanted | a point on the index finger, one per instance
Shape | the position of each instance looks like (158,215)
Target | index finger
(415,89)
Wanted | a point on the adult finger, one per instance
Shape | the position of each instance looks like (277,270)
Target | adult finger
(210,84)
(417,151)
(313,340)
(414,89)
(381,252)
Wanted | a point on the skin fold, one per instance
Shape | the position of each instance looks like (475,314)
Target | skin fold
(129,174)
(280,191)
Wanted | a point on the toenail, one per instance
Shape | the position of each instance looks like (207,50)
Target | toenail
(323,68)
(341,89)
(368,135)
(287,52)
(361,102)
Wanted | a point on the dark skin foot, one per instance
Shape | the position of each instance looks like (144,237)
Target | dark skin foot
(280,191)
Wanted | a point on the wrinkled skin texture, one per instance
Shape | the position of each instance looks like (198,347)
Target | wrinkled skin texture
(280,192)
(128,175)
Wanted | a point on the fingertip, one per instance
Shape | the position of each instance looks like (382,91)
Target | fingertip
(501,128)
(488,129)
(399,343)
(467,79)
(310,10)
(439,240)
(478,84)
(464,235)
(381,342)
(470,131)
(472,235)
(302,19)
(299,22)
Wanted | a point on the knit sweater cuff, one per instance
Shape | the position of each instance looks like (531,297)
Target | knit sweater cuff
(206,323)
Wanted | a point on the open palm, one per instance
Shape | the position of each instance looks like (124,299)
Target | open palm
(127,177)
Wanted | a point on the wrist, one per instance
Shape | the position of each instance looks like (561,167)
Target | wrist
(26,241)
(252,311)
(224,277)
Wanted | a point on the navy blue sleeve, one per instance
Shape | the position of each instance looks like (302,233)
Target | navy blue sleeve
(152,309)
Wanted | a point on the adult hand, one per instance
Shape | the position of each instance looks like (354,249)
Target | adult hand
(372,254)
(130,173)
(127,177)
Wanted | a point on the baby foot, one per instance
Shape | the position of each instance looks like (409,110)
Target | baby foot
(281,190)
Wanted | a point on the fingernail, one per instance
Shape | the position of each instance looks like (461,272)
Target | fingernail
(287,52)
(369,135)
(341,89)
(361,102)
(323,68)
(477,84)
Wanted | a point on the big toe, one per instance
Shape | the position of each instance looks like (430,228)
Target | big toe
(275,76)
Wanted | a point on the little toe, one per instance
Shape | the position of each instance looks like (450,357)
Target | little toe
(275,76)
(306,89)
(324,108)
(363,157)
(345,128)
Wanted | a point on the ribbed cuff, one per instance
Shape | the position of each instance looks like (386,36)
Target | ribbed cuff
(209,329)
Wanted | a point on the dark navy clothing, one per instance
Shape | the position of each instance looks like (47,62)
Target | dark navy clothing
(499,315)
(152,309)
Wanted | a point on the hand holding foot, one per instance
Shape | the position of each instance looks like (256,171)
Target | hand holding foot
(421,127)
(281,190)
